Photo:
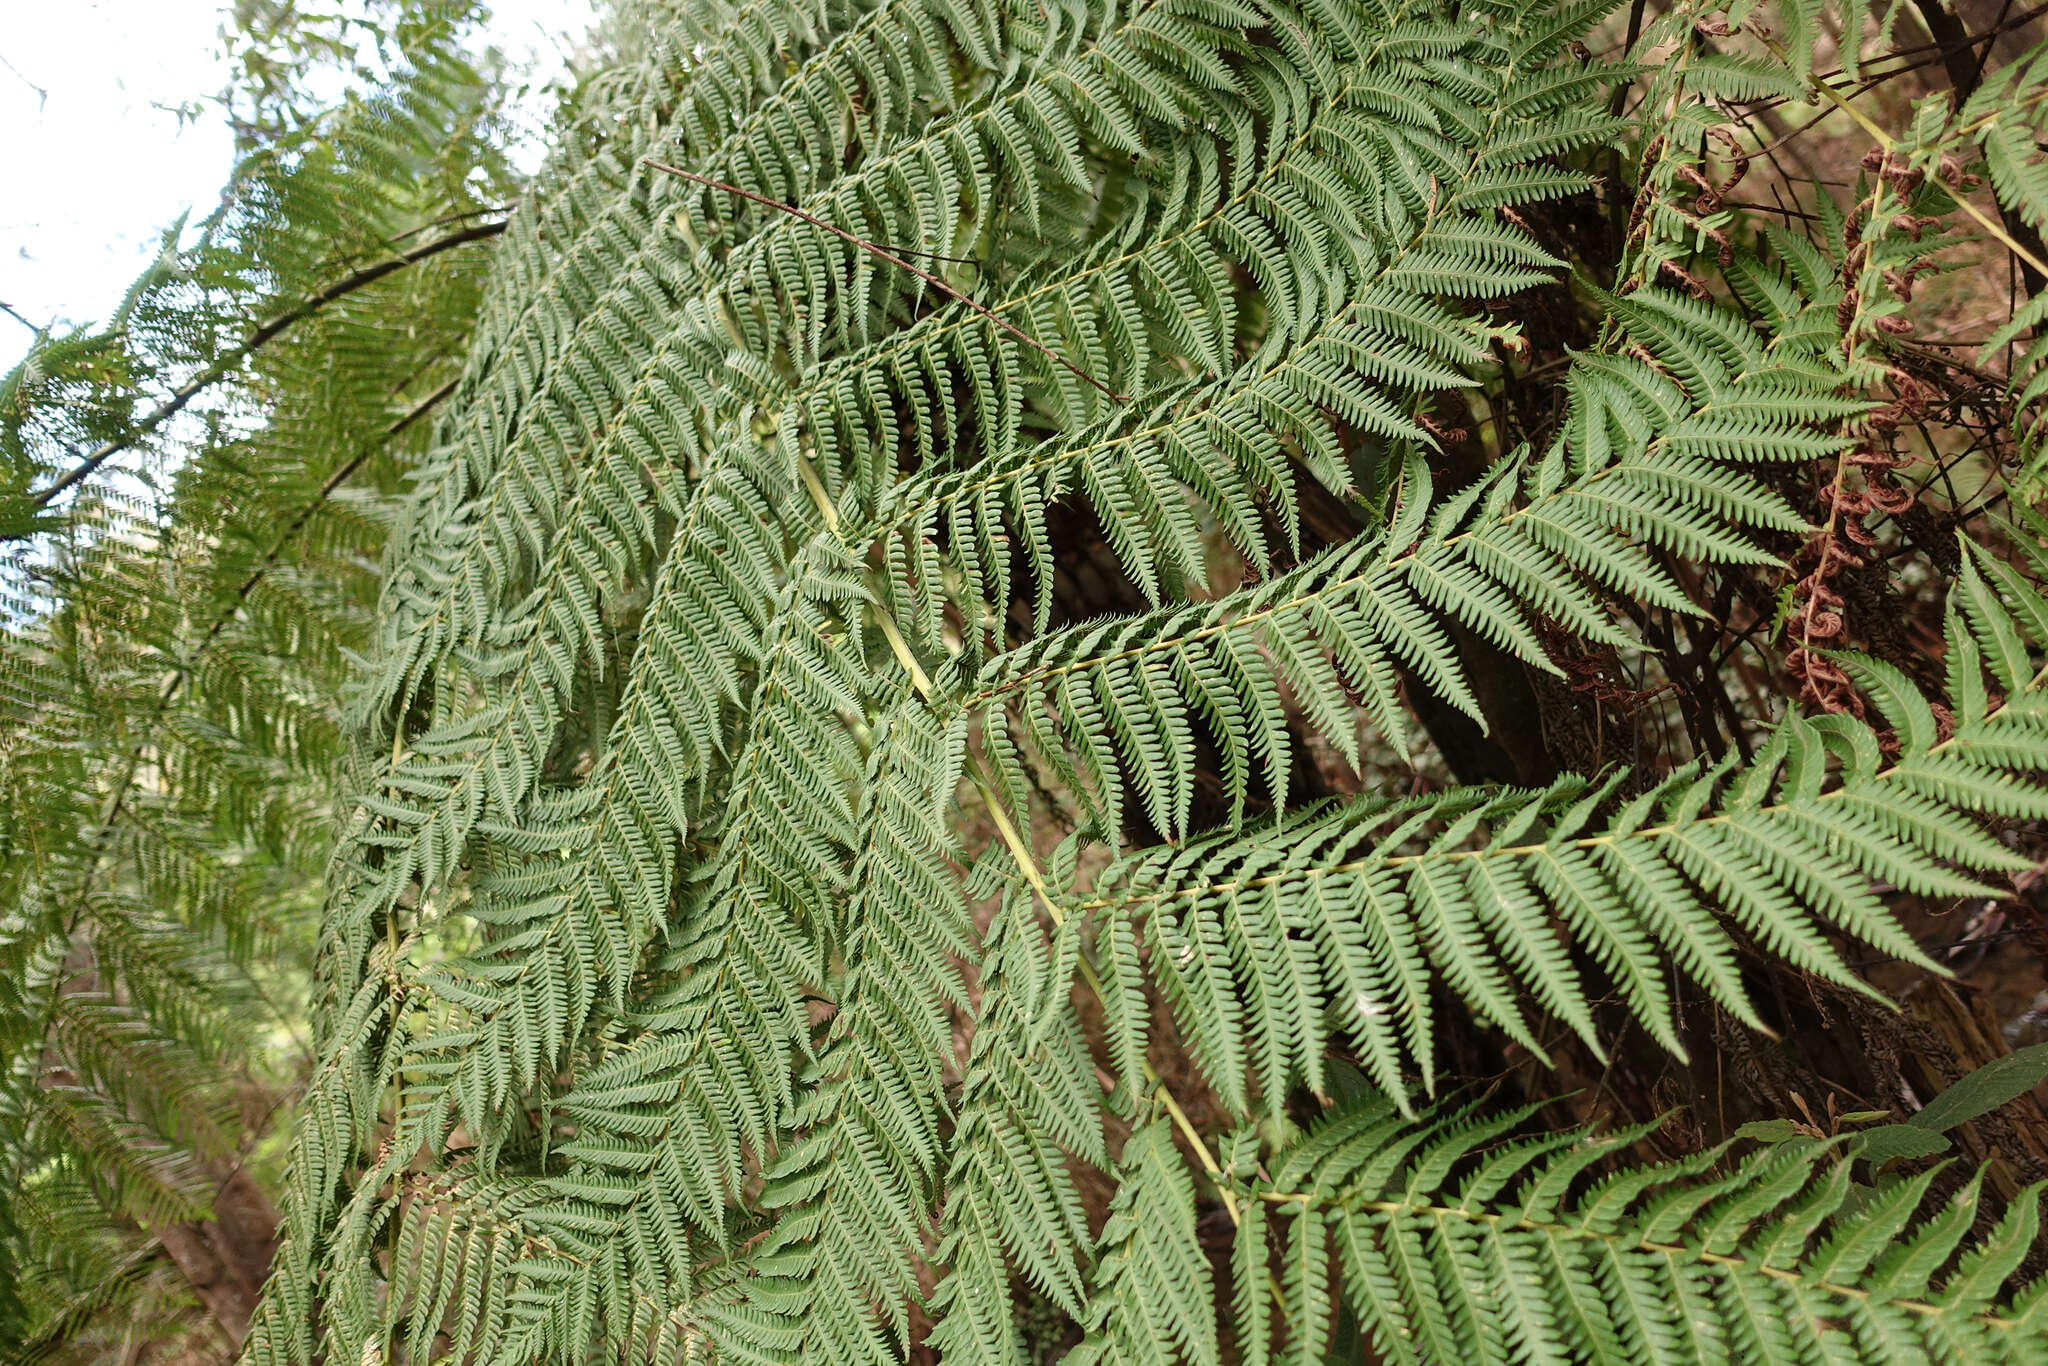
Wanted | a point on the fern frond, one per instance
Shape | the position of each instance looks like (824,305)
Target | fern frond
(1338,924)
(1154,1300)
(1545,536)
(855,1191)
(1458,1244)
(1028,1099)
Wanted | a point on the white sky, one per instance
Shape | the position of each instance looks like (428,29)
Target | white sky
(92,169)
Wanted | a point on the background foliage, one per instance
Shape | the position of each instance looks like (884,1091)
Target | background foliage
(179,623)
(1150,680)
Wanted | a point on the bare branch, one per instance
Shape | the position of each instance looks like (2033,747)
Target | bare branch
(220,369)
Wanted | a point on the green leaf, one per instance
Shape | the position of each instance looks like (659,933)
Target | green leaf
(1984,1090)
(1888,1141)
(1768,1130)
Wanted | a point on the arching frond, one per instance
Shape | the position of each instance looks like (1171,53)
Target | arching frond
(1457,1243)
(1339,924)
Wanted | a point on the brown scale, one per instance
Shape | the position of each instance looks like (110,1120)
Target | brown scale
(1844,542)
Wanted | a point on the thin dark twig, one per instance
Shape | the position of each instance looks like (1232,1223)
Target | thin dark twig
(11,311)
(1993,34)
(175,678)
(931,255)
(1924,55)
(42,95)
(221,368)
(462,216)
(327,488)
(1777,209)
(876,250)
(1965,68)
(1855,89)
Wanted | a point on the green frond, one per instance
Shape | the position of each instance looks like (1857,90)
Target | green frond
(1457,1243)
(1028,1099)
(1338,924)
(1153,1299)
(1528,539)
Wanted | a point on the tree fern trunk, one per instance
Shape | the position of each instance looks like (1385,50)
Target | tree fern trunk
(225,1259)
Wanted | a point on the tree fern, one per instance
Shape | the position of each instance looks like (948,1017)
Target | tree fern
(809,483)
(922,776)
